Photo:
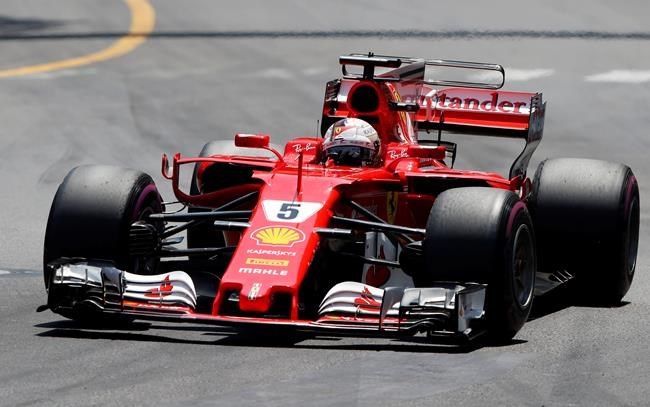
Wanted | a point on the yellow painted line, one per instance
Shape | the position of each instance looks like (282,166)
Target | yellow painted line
(143,19)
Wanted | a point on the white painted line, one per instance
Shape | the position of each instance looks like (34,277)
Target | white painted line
(17,272)
(275,73)
(521,75)
(314,71)
(513,75)
(620,76)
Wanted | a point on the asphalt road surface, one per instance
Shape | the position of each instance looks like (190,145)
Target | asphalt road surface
(210,69)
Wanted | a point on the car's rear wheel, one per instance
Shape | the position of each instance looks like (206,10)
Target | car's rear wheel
(91,216)
(484,235)
(586,214)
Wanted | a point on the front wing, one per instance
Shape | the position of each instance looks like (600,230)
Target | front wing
(349,308)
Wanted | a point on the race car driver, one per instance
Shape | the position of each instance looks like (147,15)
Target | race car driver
(352,142)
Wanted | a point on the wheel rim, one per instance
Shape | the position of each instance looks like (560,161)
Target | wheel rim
(523,266)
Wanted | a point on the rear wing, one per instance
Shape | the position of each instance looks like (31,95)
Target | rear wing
(410,67)
(468,106)
(485,112)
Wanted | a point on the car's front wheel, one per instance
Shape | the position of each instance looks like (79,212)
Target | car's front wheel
(484,235)
(91,216)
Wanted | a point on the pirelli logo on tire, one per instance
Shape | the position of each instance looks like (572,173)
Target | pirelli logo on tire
(267,262)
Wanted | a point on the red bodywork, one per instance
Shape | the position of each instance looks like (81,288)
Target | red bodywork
(275,254)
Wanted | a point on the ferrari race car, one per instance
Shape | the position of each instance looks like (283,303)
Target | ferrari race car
(401,245)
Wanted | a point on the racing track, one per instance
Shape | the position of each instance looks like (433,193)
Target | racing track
(210,69)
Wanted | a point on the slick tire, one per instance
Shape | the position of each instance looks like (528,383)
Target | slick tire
(484,235)
(586,215)
(92,212)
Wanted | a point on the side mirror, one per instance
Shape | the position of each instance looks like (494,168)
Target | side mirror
(252,140)
(435,153)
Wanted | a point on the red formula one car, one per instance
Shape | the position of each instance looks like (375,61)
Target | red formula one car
(367,230)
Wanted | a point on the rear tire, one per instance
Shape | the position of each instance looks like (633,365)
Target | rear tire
(586,214)
(484,235)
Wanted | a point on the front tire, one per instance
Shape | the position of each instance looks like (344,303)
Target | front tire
(484,235)
(91,215)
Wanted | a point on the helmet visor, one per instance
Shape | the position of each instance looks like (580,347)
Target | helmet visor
(353,156)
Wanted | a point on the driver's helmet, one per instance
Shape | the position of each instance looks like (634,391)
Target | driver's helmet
(352,142)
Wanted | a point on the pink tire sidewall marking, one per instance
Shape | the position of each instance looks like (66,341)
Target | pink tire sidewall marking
(149,189)
(519,206)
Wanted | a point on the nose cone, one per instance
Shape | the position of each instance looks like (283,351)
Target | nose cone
(255,297)
(274,254)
